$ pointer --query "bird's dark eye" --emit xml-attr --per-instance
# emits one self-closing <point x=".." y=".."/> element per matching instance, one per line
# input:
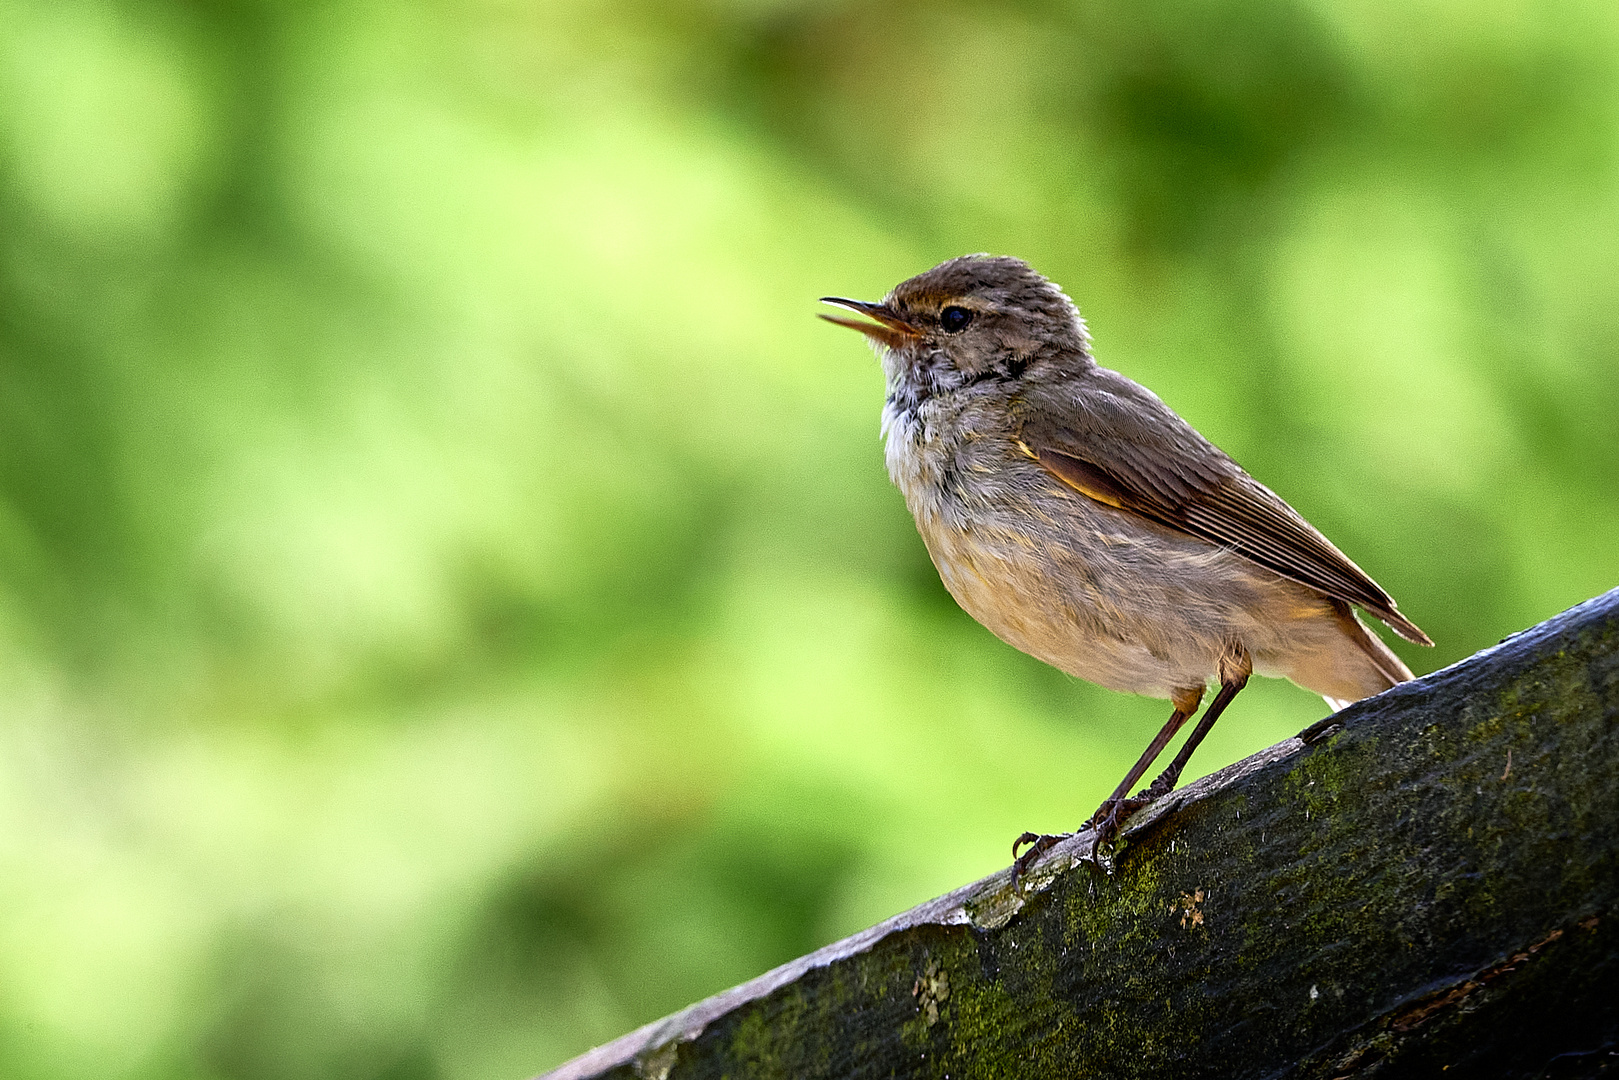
<point x="955" y="319"/>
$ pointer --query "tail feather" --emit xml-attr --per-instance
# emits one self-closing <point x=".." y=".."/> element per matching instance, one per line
<point x="1404" y="627"/>
<point x="1382" y="657"/>
<point x="1383" y="661"/>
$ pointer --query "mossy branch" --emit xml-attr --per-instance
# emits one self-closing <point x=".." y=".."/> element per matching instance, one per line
<point x="1425" y="882"/>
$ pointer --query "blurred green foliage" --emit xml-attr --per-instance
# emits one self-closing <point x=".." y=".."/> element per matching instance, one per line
<point x="452" y="609"/>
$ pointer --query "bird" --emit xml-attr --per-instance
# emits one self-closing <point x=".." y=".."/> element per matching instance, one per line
<point x="1081" y="520"/>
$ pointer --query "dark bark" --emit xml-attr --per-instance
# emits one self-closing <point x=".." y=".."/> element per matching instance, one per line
<point x="1425" y="883"/>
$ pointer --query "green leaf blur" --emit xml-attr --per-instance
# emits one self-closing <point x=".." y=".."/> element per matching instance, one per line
<point x="452" y="608"/>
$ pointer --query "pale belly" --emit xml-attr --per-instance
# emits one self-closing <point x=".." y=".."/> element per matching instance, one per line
<point x="1126" y="607"/>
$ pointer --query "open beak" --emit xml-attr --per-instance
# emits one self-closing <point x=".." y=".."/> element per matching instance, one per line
<point x="889" y="329"/>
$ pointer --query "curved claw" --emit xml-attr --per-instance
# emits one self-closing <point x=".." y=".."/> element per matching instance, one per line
<point x="1039" y="844"/>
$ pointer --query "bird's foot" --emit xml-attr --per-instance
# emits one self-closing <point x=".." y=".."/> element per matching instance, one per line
<point x="1158" y="788"/>
<point x="1039" y="844"/>
<point x="1112" y="814"/>
<point x="1107" y="821"/>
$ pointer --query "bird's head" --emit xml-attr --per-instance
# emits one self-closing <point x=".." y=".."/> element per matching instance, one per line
<point x="971" y="320"/>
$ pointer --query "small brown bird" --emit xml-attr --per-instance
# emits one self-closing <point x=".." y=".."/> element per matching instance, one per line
<point x="1082" y="521"/>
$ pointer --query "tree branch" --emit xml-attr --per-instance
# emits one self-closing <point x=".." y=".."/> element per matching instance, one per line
<point x="1427" y="880"/>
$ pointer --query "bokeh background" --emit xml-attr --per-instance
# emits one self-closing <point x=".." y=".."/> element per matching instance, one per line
<point x="452" y="608"/>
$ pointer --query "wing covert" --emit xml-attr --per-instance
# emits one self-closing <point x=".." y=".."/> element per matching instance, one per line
<point x="1120" y="445"/>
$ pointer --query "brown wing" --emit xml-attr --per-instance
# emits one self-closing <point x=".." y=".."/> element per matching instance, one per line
<point x="1115" y="442"/>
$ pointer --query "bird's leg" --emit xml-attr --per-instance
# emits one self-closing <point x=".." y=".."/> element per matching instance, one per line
<point x="1118" y="806"/>
<point x="1233" y="670"/>
<point x="1235" y="667"/>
